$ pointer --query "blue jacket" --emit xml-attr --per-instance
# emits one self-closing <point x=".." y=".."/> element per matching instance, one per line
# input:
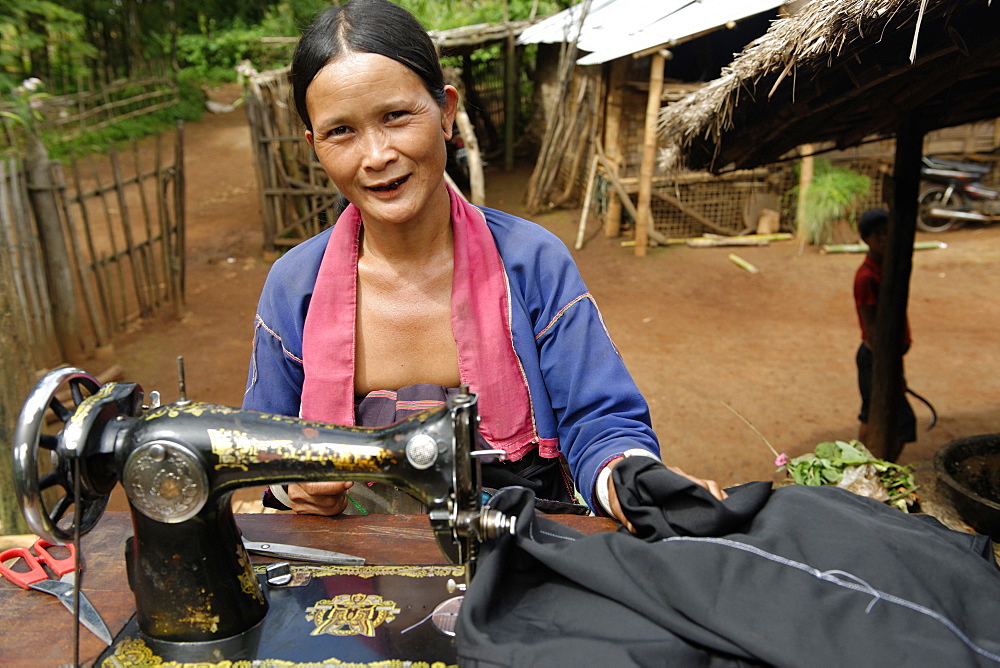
<point x="581" y="393"/>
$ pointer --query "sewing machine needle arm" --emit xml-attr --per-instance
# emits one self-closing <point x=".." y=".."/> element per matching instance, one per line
<point x="302" y="553"/>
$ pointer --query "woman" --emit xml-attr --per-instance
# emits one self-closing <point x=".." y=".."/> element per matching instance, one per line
<point x="414" y="291"/>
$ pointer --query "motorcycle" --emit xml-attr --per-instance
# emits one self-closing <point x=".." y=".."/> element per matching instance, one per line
<point x="953" y="194"/>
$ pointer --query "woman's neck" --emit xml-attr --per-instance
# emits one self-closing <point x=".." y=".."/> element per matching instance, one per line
<point x="415" y="242"/>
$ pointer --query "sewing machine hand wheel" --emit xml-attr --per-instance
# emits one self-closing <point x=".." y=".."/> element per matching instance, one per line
<point x="31" y="483"/>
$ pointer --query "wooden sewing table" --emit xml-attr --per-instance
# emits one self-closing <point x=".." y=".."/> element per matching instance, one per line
<point x="37" y="629"/>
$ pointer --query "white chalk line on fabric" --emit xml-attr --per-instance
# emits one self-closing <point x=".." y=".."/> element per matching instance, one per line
<point x="850" y="582"/>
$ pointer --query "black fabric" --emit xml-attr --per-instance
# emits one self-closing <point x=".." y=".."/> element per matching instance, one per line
<point x="797" y="576"/>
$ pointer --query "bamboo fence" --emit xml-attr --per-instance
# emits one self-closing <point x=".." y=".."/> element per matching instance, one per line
<point x="297" y="198"/>
<point x="19" y="238"/>
<point x="97" y="104"/>
<point x="124" y="227"/>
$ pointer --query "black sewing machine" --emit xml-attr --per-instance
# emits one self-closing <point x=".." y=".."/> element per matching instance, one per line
<point x="179" y="465"/>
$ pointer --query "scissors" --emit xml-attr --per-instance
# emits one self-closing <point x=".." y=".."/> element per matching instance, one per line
<point x="302" y="553"/>
<point x="36" y="577"/>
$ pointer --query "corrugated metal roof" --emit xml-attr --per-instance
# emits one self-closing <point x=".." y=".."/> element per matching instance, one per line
<point x="616" y="28"/>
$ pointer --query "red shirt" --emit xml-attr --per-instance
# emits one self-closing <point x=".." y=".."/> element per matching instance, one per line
<point x="867" y="281"/>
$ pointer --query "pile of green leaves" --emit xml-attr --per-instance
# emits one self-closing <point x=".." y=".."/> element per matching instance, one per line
<point x="828" y="462"/>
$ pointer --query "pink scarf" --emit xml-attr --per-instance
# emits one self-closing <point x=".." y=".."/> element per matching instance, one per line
<point x="480" y="321"/>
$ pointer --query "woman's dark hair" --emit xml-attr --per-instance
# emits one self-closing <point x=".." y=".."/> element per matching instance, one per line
<point x="365" y="26"/>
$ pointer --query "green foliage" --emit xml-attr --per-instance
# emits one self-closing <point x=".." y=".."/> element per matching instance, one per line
<point x="827" y="464"/>
<point x="32" y="33"/>
<point x="833" y="195"/>
<point x="190" y="108"/>
<point x="446" y="14"/>
<point x="215" y="58"/>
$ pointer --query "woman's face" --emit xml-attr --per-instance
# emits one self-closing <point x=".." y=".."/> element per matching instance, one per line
<point x="380" y="135"/>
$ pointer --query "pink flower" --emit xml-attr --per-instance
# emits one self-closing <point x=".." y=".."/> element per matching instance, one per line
<point x="781" y="459"/>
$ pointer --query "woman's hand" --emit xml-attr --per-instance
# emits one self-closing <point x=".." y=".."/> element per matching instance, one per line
<point x="714" y="488"/>
<point x="319" y="498"/>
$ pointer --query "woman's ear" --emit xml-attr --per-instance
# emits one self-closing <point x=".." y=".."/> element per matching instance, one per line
<point x="449" y="110"/>
<point x="309" y="139"/>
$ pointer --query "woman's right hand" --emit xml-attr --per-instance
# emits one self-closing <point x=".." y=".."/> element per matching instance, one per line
<point x="319" y="498"/>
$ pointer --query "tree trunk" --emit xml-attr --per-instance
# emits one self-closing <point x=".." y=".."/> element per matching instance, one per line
<point x="62" y="292"/>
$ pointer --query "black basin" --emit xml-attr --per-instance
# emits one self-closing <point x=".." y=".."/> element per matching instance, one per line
<point x="969" y="469"/>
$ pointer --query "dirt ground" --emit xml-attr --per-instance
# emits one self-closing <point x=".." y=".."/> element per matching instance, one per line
<point x="696" y="331"/>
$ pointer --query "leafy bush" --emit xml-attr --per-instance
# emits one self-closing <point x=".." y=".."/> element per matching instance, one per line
<point x="832" y="196"/>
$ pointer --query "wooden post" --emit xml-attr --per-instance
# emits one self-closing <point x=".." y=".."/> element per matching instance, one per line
<point x="649" y="142"/>
<point x="62" y="292"/>
<point x="179" y="237"/>
<point x="511" y="98"/>
<point x="890" y="319"/>
<point x="805" y="178"/>
<point x="612" y="139"/>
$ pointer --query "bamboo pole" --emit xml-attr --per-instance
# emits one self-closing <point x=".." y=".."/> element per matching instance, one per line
<point x="33" y="267"/>
<point x="125" y="220"/>
<point x="649" y="142"/>
<point x="612" y="140"/>
<point x="179" y="187"/>
<point x="163" y="219"/>
<point x="79" y="264"/>
<point x="16" y="371"/>
<point x="477" y="184"/>
<point x="805" y="179"/>
<point x="625" y="199"/>
<point x="8" y="246"/>
<point x="118" y="315"/>
<point x="591" y="177"/>
<point x="149" y="262"/>
<point x="102" y="288"/>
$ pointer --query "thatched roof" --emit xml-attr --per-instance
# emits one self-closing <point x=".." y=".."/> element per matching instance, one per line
<point x="840" y="71"/>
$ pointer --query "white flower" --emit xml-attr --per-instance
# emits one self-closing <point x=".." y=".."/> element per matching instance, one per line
<point x="31" y="84"/>
<point x="246" y="69"/>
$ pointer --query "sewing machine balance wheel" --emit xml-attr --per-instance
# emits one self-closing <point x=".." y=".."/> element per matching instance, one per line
<point x="44" y="482"/>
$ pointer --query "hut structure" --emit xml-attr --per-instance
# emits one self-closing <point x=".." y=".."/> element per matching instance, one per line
<point x="604" y="69"/>
<point x="836" y="73"/>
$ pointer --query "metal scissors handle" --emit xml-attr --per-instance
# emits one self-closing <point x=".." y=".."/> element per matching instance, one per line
<point x="37" y="578"/>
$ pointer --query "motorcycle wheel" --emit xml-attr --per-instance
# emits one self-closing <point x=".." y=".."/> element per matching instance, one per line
<point x="934" y="197"/>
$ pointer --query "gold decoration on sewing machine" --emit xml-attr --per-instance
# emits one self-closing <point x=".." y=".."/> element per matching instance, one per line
<point x="238" y="449"/>
<point x="373" y="570"/>
<point x="134" y="653"/>
<point x="351" y="614"/>
<point x="196" y="408"/>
